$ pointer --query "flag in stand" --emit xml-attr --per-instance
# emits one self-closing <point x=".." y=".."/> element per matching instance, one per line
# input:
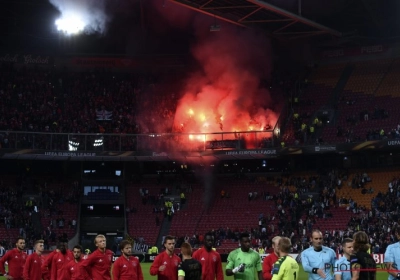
<point x="103" y="115"/>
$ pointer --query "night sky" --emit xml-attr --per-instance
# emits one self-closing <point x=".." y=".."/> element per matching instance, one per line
<point x="159" y="26"/>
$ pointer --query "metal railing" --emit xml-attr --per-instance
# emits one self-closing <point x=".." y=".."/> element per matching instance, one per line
<point x="136" y="142"/>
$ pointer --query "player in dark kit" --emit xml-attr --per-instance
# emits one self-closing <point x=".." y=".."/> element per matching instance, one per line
<point x="363" y="265"/>
<point x="189" y="268"/>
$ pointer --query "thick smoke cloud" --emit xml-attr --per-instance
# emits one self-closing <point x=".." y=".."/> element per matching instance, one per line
<point x="92" y="13"/>
<point x="227" y="93"/>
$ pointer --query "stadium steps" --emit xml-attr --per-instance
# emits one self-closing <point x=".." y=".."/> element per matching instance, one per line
<point x="142" y="223"/>
<point x="184" y="221"/>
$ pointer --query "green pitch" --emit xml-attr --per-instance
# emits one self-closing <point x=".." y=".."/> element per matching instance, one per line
<point x="303" y="275"/>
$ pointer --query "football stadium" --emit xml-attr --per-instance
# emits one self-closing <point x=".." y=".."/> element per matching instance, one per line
<point x="201" y="139"/>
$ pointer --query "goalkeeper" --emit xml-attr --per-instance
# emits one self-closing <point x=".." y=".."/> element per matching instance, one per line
<point x="244" y="262"/>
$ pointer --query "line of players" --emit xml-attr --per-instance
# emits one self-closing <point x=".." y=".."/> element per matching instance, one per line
<point x="204" y="264"/>
<point x="63" y="264"/>
<point x="245" y="264"/>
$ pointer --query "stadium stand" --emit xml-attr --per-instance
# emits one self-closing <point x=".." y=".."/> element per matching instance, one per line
<point x="365" y="107"/>
<point x="30" y="106"/>
<point x="367" y="76"/>
<point x="186" y="220"/>
<point x="141" y="217"/>
<point x="316" y="94"/>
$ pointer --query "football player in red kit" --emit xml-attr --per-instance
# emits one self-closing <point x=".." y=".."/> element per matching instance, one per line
<point x="98" y="264"/>
<point x="127" y="267"/>
<point x="210" y="259"/>
<point x="56" y="265"/>
<point x="33" y="264"/>
<point x="165" y="265"/>
<point x="271" y="259"/>
<point x="16" y="260"/>
<point x="48" y="271"/>
<point x="74" y="267"/>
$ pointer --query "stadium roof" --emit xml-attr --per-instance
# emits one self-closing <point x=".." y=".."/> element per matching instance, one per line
<point x="26" y="24"/>
<point x="249" y="13"/>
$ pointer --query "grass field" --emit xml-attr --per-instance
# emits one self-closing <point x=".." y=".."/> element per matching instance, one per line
<point x="303" y="275"/>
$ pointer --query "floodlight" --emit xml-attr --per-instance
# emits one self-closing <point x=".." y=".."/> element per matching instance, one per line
<point x="70" y="25"/>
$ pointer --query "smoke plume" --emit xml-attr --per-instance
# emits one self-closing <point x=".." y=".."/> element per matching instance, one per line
<point x="227" y="93"/>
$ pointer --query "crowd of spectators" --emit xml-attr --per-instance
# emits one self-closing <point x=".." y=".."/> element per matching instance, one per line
<point x="44" y="100"/>
<point x="296" y="214"/>
<point x="38" y="100"/>
<point x="14" y="214"/>
<point x="24" y="213"/>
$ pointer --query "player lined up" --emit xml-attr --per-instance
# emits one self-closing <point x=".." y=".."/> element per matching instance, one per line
<point x="63" y="264"/>
<point x="205" y="264"/>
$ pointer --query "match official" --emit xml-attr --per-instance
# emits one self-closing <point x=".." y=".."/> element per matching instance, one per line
<point x="286" y="268"/>
<point x="392" y="257"/>
<point x="342" y="265"/>
<point x="318" y="260"/>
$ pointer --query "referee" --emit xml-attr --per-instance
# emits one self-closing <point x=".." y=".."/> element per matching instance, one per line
<point x="318" y="260"/>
